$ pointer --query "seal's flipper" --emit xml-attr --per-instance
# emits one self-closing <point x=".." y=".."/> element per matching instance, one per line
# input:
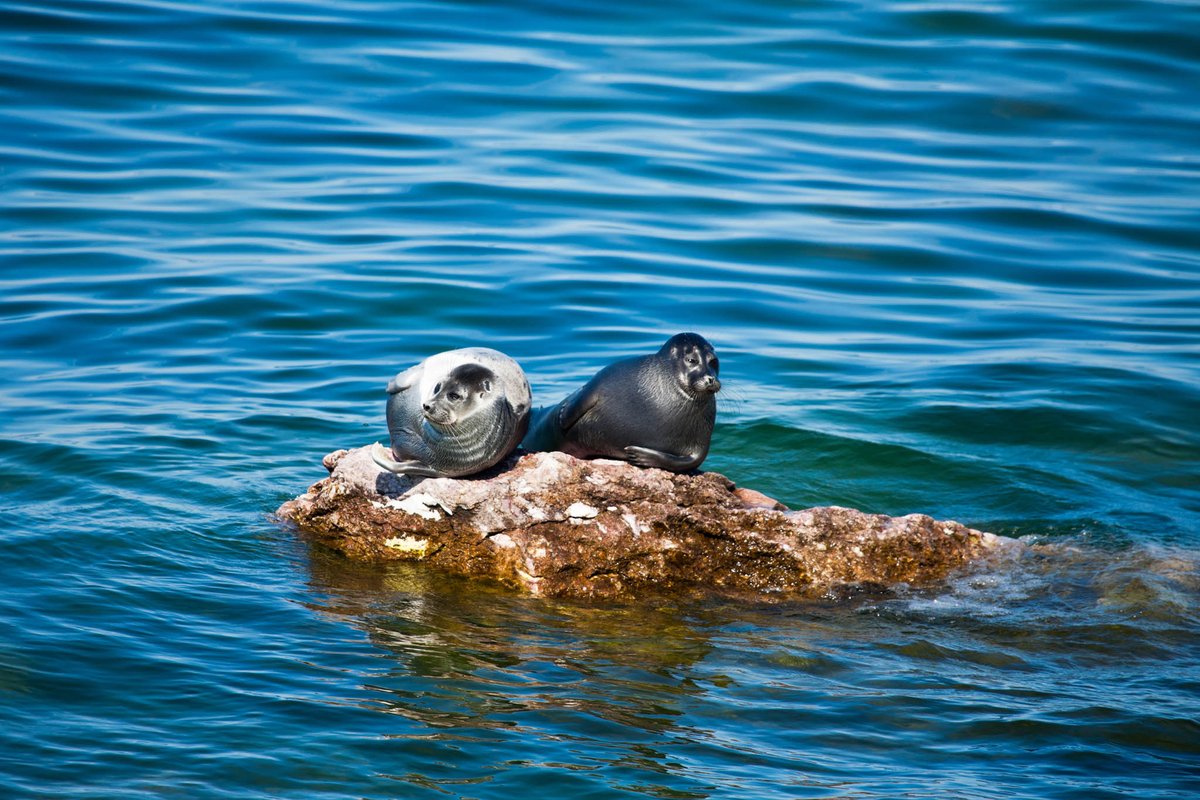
<point x="405" y="380"/>
<point x="575" y="406"/>
<point x="415" y="469"/>
<point x="384" y="459"/>
<point x="381" y="456"/>
<point x="645" y="457"/>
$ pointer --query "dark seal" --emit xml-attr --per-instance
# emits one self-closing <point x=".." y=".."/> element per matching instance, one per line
<point x="653" y="411"/>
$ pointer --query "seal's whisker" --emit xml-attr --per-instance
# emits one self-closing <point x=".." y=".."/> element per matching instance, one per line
<point x="731" y="399"/>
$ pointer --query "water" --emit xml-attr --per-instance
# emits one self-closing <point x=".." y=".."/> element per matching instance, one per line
<point x="949" y="254"/>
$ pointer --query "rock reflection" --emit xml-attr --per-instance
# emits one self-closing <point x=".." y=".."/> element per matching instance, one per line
<point x="499" y="681"/>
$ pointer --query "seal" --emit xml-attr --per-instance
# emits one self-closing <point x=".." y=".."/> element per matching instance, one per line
<point x="456" y="413"/>
<point x="653" y="411"/>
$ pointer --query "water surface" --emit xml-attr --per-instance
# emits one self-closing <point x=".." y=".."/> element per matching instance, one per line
<point x="949" y="254"/>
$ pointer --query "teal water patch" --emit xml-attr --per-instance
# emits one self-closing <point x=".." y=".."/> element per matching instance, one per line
<point x="948" y="255"/>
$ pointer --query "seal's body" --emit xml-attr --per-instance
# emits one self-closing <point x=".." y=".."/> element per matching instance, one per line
<point x="654" y="411"/>
<point x="456" y="413"/>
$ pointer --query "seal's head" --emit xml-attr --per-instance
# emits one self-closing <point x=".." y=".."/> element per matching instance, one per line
<point x="462" y="392"/>
<point x="696" y="364"/>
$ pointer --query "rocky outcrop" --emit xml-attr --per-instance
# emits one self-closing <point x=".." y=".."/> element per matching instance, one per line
<point x="558" y="526"/>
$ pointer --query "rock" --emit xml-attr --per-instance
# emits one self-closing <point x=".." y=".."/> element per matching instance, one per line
<point x="559" y="526"/>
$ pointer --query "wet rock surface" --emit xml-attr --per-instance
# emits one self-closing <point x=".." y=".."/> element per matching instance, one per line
<point x="558" y="526"/>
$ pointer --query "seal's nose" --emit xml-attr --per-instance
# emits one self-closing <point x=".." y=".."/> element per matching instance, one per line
<point x="710" y="384"/>
<point x="427" y="406"/>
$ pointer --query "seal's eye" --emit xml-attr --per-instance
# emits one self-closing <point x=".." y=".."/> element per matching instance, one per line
<point x="712" y="362"/>
<point x="454" y="397"/>
<point x="692" y="361"/>
<point x="437" y="388"/>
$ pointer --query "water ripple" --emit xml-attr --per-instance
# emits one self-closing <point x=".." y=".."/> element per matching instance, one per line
<point x="948" y="253"/>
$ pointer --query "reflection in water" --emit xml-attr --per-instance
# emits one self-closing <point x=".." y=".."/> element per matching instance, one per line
<point x="654" y="699"/>
<point x="478" y="666"/>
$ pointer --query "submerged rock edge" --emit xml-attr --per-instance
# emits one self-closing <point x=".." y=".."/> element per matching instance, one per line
<point x="554" y="525"/>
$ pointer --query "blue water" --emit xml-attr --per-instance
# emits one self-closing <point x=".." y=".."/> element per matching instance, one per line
<point x="948" y="253"/>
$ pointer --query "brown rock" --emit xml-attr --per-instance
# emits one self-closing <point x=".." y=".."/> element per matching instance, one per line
<point x="562" y="527"/>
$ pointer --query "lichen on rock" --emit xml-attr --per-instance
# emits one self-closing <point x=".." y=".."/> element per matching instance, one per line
<point x="558" y="526"/>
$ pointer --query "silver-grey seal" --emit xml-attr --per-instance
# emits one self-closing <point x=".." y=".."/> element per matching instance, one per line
<point x="654" y="411"/>
<point x="456" y="413"/>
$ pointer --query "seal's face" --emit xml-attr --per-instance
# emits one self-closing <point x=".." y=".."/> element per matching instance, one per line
<point x="465" y="390"/>
<point x="697" y="364"/>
